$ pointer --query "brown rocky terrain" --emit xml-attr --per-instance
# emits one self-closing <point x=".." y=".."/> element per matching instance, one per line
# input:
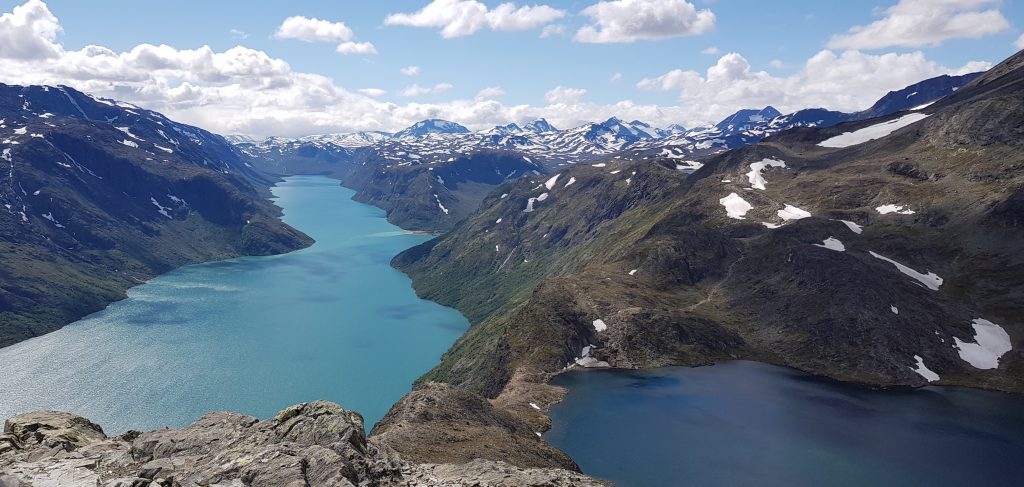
<point x="310" y="444"/>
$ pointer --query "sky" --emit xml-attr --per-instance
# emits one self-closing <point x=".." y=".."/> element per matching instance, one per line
<point x="306" y="67"/>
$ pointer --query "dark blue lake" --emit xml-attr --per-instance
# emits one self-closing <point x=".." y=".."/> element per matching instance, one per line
<point x="751" y="424"/>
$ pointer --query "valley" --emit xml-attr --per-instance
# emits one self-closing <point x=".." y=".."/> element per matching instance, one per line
<point x="821" y="296"/>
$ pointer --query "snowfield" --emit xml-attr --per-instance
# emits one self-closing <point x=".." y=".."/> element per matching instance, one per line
<point x="872" y="132"/>
<point x="930" y="280"/>
<point x="991" y="342"/>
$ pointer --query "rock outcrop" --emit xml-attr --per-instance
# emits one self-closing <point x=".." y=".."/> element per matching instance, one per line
<point x="309" y="444"/>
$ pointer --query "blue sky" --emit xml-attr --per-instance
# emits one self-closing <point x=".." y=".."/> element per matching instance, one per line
<point x="776" y="38"/>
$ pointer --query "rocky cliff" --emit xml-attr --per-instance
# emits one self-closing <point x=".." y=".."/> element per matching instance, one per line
<point x="311" y="444"/>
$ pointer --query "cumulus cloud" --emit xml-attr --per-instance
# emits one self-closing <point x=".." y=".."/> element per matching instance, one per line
<point x="1020" y="42"/>
<point x="634" y="20"/>
<point x="238" y="34"/>
<point x="777" y="63"/>
<point x="564" y="96"/>
<point x="243" y="90"/>
<point x="921" y="23"/>
<point x="848" y="81"/>
<point x="490" y="92"/>
<point x="417" y="90"/>
<point x="374" y="92"/>
<point x="313" y="30"/>
<point x="29" y="32"/>
<point x="410" y="70"/>
<point x="615" y="77"/>
<point x="350" y="47"/>
<point x="458" y="18"/>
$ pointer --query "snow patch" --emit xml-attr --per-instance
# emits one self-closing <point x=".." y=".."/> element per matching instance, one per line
<point x="894" y="309"/>
<point x="930" y="280"/>
<point x="872" y="132"/>
<point x="832" y="243"/>
<point x="791" y="212"/>
<point x="991" y="342"/>
<point x="855" y="228"/>
<point x="599" y="325"/>
<point x="439" y="205"/>
<point x="632" y="272"/>
<point x="755" y="177"/>
<point x="571" y="180"/>
<point x="160" y="208"/>
<point x="735" y="206"/>
<point x="924" y="371"/>
<point x="550" y="183"/>
<point x="898" y="209"/>
<point x="130" y="143"/>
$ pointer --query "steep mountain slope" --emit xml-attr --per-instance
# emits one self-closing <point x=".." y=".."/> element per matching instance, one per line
<point x="98" y="196"/>
<point x="884" y="251"/>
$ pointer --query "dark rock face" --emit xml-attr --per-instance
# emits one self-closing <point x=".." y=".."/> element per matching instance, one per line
<point x="97" y="196"/>
<point x="310" y="444"/>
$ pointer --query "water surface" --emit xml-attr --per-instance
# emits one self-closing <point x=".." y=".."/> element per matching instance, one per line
<point x="254" y="334"/>
<point x="751" y="424"/>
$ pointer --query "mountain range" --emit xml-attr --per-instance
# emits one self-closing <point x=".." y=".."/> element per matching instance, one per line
<point x="882" y="251"/>
<point x="403" y="172"/>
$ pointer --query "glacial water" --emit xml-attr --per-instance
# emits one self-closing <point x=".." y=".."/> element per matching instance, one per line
<point x="751" y="424"/>
<point x="254" y="334"/>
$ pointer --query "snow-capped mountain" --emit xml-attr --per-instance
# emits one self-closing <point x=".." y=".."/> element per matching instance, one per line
<point x="440" y="141"/>
<point x="539" y="126"/>
<point x="432" y="126"/>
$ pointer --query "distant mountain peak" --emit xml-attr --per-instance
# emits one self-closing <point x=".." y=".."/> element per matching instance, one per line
<point x="539" y="126"/>
<point x="432" y="126"/>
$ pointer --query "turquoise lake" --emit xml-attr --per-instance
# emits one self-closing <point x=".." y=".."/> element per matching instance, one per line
<point x="752" y="424"/>
<point x="254" y="334"/>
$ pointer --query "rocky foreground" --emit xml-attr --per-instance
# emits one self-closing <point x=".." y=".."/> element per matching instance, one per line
<point x="309" y="444"/>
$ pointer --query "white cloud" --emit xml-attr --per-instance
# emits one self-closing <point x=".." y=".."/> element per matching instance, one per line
<point x="1020" y="42"/>
<point x="490" y="92"/>
<point x="633" y="20"/>
<point x="410" y="70"/>
<point x="374" y="92"/>
<point x="238" y="34"/>
<point x="416" y="90"/>
<point x="564" y="96"/>
<point x="711" y="51"/>
<point x="243" y="90"/>
<point x="347" y="48"/>
<point x="458" y="18"/>
<point x="921" y="23"/>
<point x="29" y="32"/>
<point x="313" y="30"/>
<point x="615" y="77"/>
<point x="849" y="81"/>
<point x="777" y="63"/>
<point x="552" y="30"/>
